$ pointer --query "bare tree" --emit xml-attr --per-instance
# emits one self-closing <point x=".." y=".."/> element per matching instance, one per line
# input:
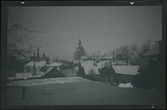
<point x="133" y="53"/>
<point x="21" y="38"/>
<point x="145" y="47"/>
<point x="125" y="52"/>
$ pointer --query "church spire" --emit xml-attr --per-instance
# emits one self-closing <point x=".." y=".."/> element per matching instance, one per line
<point x="79" y="44"/>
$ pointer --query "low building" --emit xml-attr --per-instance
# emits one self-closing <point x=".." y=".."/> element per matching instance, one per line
<point x="55" y="65"/>
<point x="38" y="65"/>
<point x="52" y="73"/>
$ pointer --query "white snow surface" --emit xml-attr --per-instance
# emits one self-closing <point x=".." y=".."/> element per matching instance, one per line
<point x="55" y="64"/>
<point x="36" y="82"/>
<point x="25" y="76"/>
<point x="41" y="63"/>
<point x="89" y="68"/>
<point x="103" y="64"/>
<point x="131" y="70"/>
<point x="48" y="70"/>
<point x="127" y="85"/>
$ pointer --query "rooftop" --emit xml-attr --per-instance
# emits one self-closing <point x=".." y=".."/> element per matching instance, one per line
<point x="40" y="63"/>
<point x="154" y="51"/>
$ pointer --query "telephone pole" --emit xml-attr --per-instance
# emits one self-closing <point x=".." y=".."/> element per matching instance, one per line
<point x="34" y="69"/>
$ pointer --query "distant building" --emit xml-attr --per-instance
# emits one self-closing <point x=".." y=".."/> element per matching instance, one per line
<point x="79" y="52"/>
<point x="55" y="65"/>
<point x="42" y="66"/>
<point x="38" y="65"/>
<point x="39" y="62"/>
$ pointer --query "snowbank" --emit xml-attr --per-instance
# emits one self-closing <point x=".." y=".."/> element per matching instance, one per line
<point x="25" y="76"/>
<point x="127" y="85"/>
<point x="36" y="82"/>
<point x="20" y="75"/>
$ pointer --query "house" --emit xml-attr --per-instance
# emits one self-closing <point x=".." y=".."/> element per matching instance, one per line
<point x="151" y="68"/>
<point x="152" y="61"/>
<point x="55" y="65"/>
<point x="117" y="74"/>
<point x="38" y="65"/>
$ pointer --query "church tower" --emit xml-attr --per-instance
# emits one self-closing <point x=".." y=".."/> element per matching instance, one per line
<point x="79" y="44"/>
<point x="79" y="52"/>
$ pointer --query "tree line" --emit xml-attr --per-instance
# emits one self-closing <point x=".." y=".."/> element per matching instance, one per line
<point x="132" y="54"/>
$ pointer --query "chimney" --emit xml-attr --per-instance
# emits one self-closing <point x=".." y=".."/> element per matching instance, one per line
<point x="47" y="60"/>
<point x="43" y="54"/>
<point x="94" y="60"/>
<point x="34" y="69"/>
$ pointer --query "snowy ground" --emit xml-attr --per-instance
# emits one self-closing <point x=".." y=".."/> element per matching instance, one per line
<point x="25" y="75"/>
<point x="36" y="82"/>
<point x="78" y="91"/>
<point x="127" y="85"/>
<point x="73" y="90"/>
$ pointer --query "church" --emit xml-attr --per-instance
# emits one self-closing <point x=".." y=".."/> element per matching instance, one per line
<point x="79" y="52"/>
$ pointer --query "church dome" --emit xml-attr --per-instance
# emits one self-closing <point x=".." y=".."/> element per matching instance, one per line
<point x="80" y="47"/>
<point x="79" y="52"/>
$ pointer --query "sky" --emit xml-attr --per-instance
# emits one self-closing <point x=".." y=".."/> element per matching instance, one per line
<point x="100" y="28"/>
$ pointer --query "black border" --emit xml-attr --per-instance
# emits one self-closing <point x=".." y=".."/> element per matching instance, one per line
<point x="4" y="12"/>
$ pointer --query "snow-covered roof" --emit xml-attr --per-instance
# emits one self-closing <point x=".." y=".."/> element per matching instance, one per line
<point x="40" y="63"/>
<point x="55" y="64"/>
<point x="89" y="68"/>
<point x="48" y="70"/>
<point x="71" y="60"/>
<point x="154" y="51"/>
<point x="103" y="64"/>
<point x="131" y="70"/>
<point x="87" y="63"/>
<point x="107" y="56"/>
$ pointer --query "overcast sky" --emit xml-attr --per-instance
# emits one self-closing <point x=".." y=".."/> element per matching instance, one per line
<point x="100" y="28"/>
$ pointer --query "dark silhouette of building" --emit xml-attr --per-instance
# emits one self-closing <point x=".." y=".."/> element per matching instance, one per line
<point x="79" y="52"/>
<point x="53" y="73"/>
<point x="151" y="69"/>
